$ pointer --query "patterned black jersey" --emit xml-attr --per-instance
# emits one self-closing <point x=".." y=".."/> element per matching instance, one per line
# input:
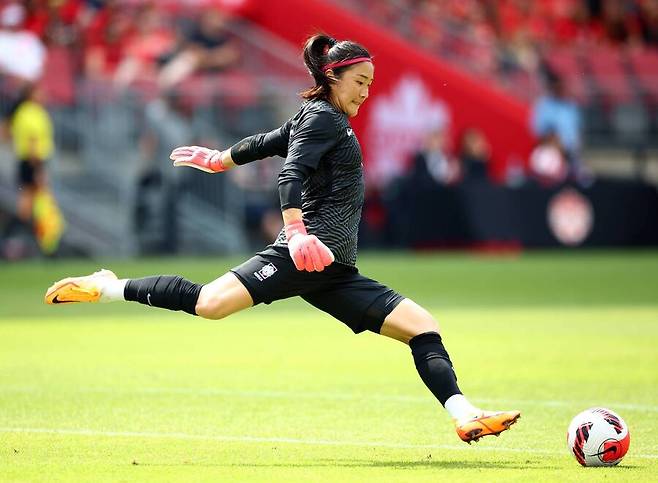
<point x="318" y="142"/>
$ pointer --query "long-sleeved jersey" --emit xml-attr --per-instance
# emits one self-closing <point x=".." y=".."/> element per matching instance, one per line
<point x="323" y="156"/>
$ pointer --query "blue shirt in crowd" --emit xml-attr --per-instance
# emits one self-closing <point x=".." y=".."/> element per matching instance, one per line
<point x="558" y="115"/>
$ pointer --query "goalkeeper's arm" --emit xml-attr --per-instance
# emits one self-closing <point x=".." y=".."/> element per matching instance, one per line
<point x="252" y="148"/>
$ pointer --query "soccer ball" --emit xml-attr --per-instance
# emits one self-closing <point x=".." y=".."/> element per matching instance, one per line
<point x="598" y="437"/>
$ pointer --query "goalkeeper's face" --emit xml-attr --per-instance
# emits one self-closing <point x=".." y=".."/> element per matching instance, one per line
<point x="351" y="89"/>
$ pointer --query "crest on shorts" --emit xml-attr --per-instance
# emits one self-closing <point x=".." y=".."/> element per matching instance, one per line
<point x="266" y="272"/>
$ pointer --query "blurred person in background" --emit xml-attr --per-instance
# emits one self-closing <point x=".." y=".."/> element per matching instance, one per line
<point x="146" y="48"/>
<point x="32" y="134"/>
<point x="620" y="23"/>
<point x="555" y="112"/>
<point x="518" y="28"/>
<point x="22" y="54"/>
<point x="167" y="124"/>
<point x="65" y="20"/>
<point x="475" y="155"/>
<point x="208" y="48"/>
<point x="547" y="163"/>
<point x="435" y="159"/>
<point x="105" y="41"/>
<point x="321" y="191"/>
<point x="648" y="19"/>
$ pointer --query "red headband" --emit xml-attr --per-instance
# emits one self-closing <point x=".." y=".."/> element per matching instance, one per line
<point x="343" y="63"/>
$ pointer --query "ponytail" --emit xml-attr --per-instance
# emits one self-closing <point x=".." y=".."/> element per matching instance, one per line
<point x="321" y="50"/>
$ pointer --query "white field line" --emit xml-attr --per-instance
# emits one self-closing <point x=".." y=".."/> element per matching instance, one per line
<point x="346" y="396"/>
<point x="310" y="442"/>
<point x="390" y="398"/>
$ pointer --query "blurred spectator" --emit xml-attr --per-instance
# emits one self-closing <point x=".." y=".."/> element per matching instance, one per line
<point x="649" y="21"/>
<point x="556" y="113"/>
<point x="167" y="125"/>
<point x="22" y="55"/>
<point x="547" y="161"/>
<point x="208" y="48"/>
<point x="620" y="24"/>
<point x="475" y="155"/>
<point x="146" y="48"/>
<point x="105" y="41"/>
<point x="519" y="28"/>
<point x="31" y="131"/>
<point x="36" y="17"/>
<point x="571" y="21"/>
<point x="65" y="19"/>
<point x="424" y="25"/>
<point x="435" y="161"/>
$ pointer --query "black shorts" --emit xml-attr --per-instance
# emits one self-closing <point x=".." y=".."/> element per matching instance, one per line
<point x="341" y="291"/>
<point x="28" y="173"/>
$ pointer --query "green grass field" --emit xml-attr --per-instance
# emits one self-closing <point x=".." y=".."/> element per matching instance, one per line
<point x="122" y="392"/>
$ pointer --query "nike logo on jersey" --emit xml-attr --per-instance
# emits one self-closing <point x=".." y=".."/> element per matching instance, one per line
<point x="350" y="132"/>
<point x="148" y="299"/>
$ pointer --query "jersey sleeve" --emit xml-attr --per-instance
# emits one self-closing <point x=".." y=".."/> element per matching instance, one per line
<point x="260" y="146"/>
<point x="290" y="185"/>
<point x="313" y="136"/>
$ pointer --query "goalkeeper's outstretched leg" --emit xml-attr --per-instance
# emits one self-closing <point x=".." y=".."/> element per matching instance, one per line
<point x="413" y="325"/>
<point x="215" y="300"/>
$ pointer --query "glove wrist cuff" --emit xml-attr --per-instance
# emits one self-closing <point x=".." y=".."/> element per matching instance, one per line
<point x="295" y="228"/>
<point x="216" y="162"/>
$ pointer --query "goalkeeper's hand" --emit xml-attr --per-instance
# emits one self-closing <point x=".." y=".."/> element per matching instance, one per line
<point x="307" y="251"/>
<point x="205" y="159"/>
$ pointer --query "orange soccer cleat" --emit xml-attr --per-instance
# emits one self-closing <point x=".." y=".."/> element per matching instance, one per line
<point x="78" y="289"/>
<point x="486" y="423"/>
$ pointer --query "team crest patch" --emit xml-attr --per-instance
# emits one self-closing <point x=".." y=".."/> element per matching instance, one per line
<point x="266" y="272"/>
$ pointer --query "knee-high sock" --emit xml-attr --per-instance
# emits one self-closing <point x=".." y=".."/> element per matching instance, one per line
<point x="434" y="366"/>
<point x="165" y="291"/>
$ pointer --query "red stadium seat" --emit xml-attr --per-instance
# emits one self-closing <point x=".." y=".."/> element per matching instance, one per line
<point x="568" y="65"/>
<point x="236" y="88"/>
<point x="58" y="77"/>
<point x="644" y="63"/>
<point x="607" y="68"/>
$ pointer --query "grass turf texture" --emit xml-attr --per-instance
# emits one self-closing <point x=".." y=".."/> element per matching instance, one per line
<point x="122" y="392"/>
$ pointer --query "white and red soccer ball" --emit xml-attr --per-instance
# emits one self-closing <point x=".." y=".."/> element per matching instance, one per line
<point x="598" y="437"/>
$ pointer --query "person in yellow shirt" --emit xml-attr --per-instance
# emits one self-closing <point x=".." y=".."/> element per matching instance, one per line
<point x="32" y="134"/>
<point x="31" y="131"/>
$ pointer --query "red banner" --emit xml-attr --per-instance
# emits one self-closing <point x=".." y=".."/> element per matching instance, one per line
<point x="413" y="90"/>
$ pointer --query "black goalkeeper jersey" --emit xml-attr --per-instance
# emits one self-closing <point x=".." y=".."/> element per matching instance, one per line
<point x="322" y="150"/>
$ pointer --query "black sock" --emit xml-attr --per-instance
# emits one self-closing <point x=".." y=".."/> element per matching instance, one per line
<point x="165" y="291"/>
<point x="434" y="366"/>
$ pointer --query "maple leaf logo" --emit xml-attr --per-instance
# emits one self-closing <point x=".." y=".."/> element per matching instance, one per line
<point x="397" y="125"/>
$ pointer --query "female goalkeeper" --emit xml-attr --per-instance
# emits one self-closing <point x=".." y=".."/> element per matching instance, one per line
<point x="321" y="190"/>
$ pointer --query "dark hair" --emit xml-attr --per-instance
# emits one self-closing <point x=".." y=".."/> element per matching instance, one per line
<point x="320" y="50"/>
